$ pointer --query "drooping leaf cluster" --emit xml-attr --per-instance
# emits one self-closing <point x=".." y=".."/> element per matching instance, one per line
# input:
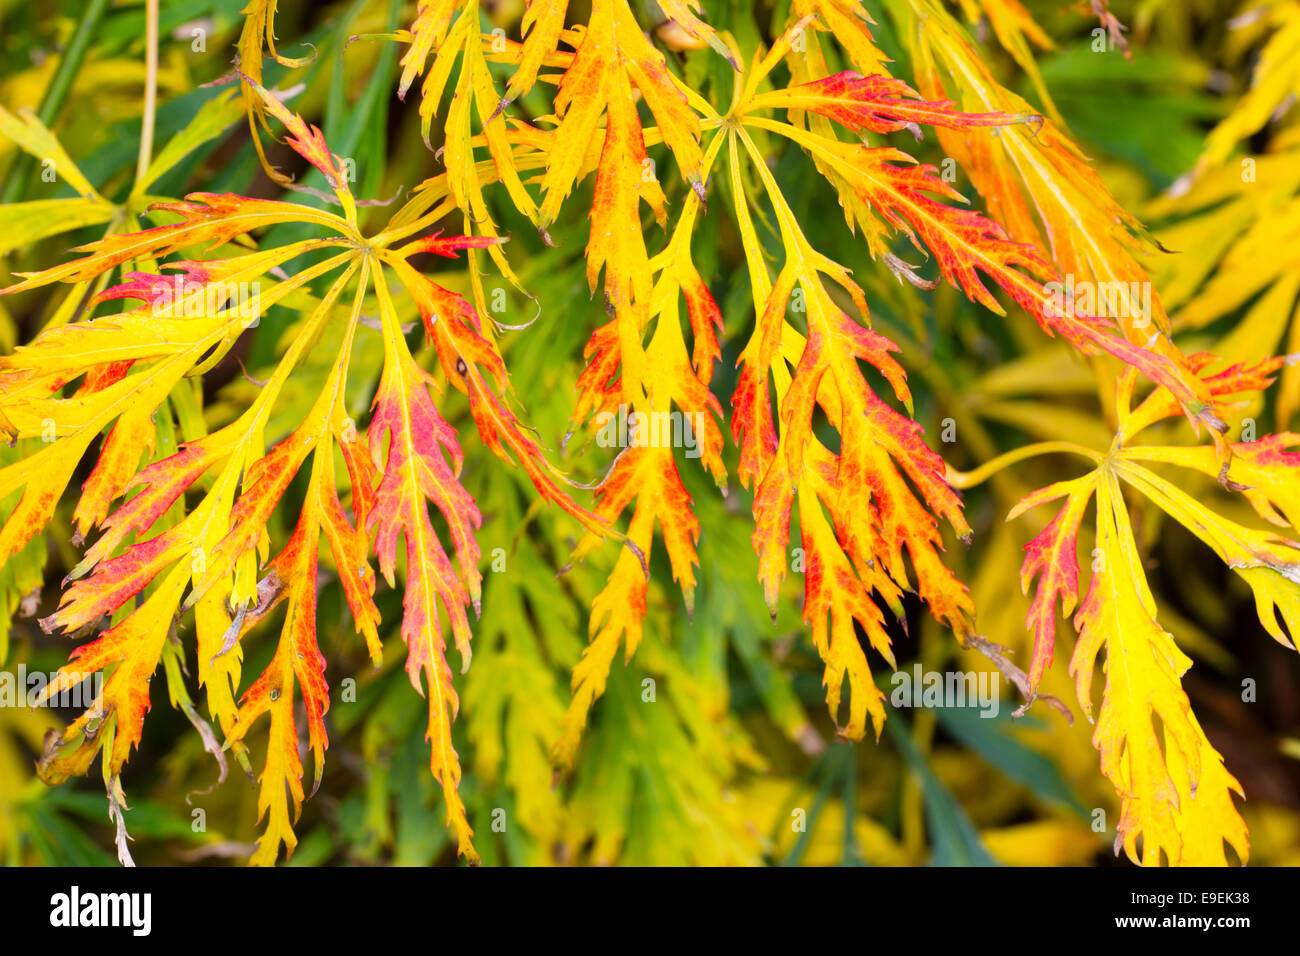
<point x="192" y="538"/>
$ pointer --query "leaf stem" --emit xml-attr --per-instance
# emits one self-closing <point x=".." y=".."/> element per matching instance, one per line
<point x="969" y="479"/>
<point x="150" y="88"/>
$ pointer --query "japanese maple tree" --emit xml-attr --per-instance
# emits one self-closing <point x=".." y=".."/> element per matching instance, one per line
<point x="195" y="543"/>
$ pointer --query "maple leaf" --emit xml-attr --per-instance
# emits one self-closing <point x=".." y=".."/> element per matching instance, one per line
<point x="874" y="511"/>
<point x="670" y="407"/>
<point x="850" y="23"/>
<point x="1175" y="798"/>
<point x="875" y="514"/>
<point x="1039" y="187"/>
<point x="1176" y="795"/>
<point x="882" y="190"/>
<point x="612" y="58"/>
<point x="134" y="360"/>
<point x="297" y="659"/>
<point x="23" y="223"/>
<point x="449" y="29"/>
<point x="867" y="458"/>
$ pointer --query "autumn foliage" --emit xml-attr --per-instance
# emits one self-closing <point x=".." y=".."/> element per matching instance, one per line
<point x="635" y="145"/>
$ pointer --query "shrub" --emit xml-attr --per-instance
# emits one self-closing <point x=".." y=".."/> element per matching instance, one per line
<point x="265" y="401"/>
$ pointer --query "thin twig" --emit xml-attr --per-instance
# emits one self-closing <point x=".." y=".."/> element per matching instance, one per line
<point x="998" y="655"/>
<point x="150" y="88"/>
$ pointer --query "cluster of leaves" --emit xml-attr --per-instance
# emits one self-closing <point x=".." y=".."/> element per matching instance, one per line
<point x="196" y="527"/>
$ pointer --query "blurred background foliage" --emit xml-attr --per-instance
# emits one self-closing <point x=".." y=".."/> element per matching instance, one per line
<point x="736" y="747"/>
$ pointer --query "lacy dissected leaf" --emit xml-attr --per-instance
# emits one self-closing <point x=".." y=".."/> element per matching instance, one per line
<point x="877" y="103"/>
<point x="653" y="794"/>
<point x="614" y="57"/>
<point x="883" y="191"/>
<point x="1038" y="185"/>
<point x="417" y="471"/>
<point x="669" y="406"/>
<point x="1053" y="556"/>
<point x="449" y="29"/>
<point x="113" y="373"/>
<point x="875" y="512"/>
<point x="1175" y="793"/>
<point x="850" y="23"/>
<point x="297" y="659"/>
<point x="541" y="28"/>
<point x="866" y="490"/>
<point x="685" y="13"/>
<point x="199" y="524"/>
<point x="1176" y="796"/>
<point x="1036" y="182"/>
